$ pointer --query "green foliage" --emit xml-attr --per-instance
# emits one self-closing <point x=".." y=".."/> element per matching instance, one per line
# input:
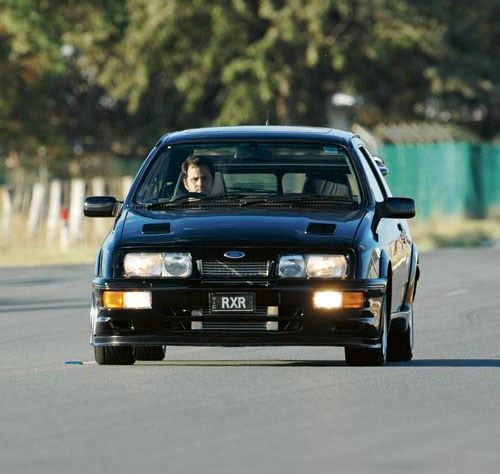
<point x="466" y="81"/>
<point x="118" y="73"/>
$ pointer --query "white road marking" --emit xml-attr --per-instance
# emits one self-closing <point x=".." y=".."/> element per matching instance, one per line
<point x="457" y="292"/>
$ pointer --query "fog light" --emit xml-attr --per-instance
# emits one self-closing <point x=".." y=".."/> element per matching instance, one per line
<point x="127" y="299"/>
<point x="327" y="299"/>
<point x="137" y="299"/>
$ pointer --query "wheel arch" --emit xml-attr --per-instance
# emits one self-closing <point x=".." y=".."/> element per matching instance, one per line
<point x="386" y="272"/>
<point x="413" y="276"/>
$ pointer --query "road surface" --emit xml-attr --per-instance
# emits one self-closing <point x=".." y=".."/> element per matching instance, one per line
<point x="249" y="410"/>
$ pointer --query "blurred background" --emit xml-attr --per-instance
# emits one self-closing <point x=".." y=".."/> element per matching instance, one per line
<point x="88" y="86"/>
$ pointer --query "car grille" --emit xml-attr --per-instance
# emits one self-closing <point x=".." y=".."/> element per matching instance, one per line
<point x="220" y="268"/>
<point x="263" y="319"/>
<point x="235" y="326"/>
<point x="232" y="325"/>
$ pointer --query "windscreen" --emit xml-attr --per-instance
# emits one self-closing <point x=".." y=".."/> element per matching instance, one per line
<point x="249" y="170"/>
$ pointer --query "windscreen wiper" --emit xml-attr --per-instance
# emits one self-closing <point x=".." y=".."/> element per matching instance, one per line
<point x="172" y="202"/>
<point x="243" y="200"/>
<point x="299" y="199"/>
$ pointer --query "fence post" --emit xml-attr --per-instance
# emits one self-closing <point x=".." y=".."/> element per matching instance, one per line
<point x="475" y="201"/>
<point x="55" y="195"/>
<point x="99" y="189"/>
<point x="126" y="183"/>
<point x="76" y="210"/>
<point x="6" y="214"/>
<point x="64" y="237"/>
<point x="36" y="209"/>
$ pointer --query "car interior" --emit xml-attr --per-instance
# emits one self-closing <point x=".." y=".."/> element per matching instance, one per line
<point x="279" y="177"/>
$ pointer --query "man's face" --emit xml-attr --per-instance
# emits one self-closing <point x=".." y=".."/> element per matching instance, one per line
<point x="198" y="179"/>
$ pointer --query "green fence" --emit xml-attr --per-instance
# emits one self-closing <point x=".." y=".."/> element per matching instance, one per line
<point x="446" y="178"/>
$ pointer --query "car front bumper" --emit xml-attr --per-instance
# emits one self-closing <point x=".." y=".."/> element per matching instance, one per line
<point x="284" y="315"/>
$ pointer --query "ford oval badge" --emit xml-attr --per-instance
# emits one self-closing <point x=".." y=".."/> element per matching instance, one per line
<point x="234" y="254"/>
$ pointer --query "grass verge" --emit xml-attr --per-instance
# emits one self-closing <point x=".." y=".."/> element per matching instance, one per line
<point x="456" y="232"/>
<point x="437" y="233"/>
<point x="34" y="254"/>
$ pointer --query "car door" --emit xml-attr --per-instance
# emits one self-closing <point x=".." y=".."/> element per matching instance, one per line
<point x="392" y="232"/>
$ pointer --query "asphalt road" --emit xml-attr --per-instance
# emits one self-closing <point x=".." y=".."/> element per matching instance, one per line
<point x="246" y="410"/>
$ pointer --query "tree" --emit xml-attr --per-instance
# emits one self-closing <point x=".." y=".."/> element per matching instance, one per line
<point x="464" y="82"/>
<point x="231" y="61"/>
<point x="99" y="73"/>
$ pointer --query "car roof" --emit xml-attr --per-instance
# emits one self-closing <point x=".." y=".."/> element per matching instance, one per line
<point x="258" y="132"/>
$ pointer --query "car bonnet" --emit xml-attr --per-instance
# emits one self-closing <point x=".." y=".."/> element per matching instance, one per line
<point x="249" y="227"/>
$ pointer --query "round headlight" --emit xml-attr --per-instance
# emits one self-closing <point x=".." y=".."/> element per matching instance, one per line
<point x="292" y="266"/>
<point x="178" y="264"/>
<point x="326" y="266"/>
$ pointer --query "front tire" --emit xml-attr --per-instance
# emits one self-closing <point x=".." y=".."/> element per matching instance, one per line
<point x="114" y="355"/>
<point x="361" y="356"/>
<point x="400" y="344"/>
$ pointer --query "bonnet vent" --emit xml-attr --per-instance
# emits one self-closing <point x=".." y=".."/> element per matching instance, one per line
<point x="164" y="228"/>
<point x="320" y="229"/>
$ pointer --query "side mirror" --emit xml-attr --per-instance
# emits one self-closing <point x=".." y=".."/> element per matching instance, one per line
<point x="397" y="207"/>
<point x="100" y="206"/>
<point x="381" y="165"/>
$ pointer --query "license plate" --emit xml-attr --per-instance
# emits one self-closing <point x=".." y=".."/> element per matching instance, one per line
<point x="232" y="302"/>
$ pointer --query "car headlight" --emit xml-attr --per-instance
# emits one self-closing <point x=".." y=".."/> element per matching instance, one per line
<point x="166" y="265"/>
<point x="142" y="265"/>
<point x="292" y="266"/>
<point x="326" y="266"/>
<point x="313" y="266"/>
<point x="178" y="265"/>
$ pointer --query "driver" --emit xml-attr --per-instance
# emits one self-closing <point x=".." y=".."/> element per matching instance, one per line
<point x="198" y="175"/>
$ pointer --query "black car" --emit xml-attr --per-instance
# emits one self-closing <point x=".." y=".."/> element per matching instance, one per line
<point x="250" y="236"/>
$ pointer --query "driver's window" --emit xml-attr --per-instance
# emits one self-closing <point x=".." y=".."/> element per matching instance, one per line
<point x="156" y="184"/>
